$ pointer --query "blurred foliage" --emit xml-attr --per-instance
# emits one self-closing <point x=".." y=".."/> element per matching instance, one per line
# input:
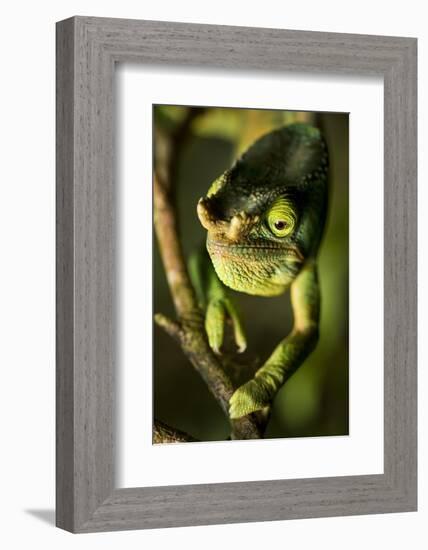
<point x="314" y="402"/>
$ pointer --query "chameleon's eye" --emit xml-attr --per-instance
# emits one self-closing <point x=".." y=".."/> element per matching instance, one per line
<point x="280" y="225"/>
<point x="281" y="218"/>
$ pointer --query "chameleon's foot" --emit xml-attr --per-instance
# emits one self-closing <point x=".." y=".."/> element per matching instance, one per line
<point x="252" y="396"/>
<point x="215" y="319"/>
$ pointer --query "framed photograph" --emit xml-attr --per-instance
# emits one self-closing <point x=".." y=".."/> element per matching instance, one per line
<point x="236" y="274"/>
<point x="259" y="260"/>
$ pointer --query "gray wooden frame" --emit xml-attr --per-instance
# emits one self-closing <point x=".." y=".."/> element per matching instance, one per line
<point x="87" y="50"/>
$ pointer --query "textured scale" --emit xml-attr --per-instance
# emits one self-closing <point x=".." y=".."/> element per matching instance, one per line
<point x="290" y="162"/>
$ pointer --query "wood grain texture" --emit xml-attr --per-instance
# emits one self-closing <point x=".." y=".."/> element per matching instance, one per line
<point x="87" y="49"/>
<point x="64" y="277"/>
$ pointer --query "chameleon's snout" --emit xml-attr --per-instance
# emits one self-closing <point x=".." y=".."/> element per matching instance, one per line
<point x="209" y="220"/>
<point x="205" y="215"/>
<point x="232" y="230"/>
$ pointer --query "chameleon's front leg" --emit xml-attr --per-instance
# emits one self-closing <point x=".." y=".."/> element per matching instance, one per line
<point x="213" y="298"/>
<point x="290" y="353"/>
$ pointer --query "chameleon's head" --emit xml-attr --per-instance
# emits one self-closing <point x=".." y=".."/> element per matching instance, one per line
<point x="265" y="216"/>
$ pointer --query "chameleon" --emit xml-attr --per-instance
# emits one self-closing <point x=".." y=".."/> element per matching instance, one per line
<point x="265" y="218"/>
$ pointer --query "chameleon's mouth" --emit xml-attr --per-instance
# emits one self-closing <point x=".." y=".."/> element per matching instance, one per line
<point x="255" y="251"/>
<point x="259" y="268"/>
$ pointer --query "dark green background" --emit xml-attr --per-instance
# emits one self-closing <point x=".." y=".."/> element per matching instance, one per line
<point x="314" y="402"/>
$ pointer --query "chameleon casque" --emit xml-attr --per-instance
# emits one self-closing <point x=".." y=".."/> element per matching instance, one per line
<point x="264" y="219"/>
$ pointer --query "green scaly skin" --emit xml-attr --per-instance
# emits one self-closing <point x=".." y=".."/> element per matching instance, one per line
<point x="265" y="218"/>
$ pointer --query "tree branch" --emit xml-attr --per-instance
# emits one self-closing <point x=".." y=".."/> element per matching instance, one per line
<point x="162" y="433"/>
<point x="190" y="329"/>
